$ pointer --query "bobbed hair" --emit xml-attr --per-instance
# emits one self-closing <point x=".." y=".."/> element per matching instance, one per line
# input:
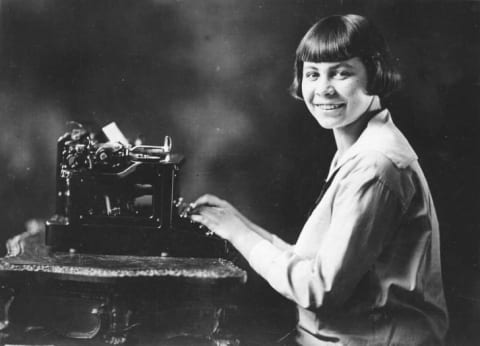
<point x="342" y="37"/>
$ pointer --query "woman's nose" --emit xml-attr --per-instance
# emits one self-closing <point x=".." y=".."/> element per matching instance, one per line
<point x="324" y="87"/>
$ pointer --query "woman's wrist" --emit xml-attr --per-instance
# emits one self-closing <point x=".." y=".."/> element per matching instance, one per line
<point x="244" y="240"/>
<point x="237" y="234"/>
<point x="257" y="229"/>
<point x="263" y="233"/>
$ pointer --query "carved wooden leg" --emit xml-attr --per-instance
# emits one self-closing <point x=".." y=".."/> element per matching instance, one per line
<point x="7" y="295"/>
<point x="220" y="336"/>
<point x="117" y="316"/>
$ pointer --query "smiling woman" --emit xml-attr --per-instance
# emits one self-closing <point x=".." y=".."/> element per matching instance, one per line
<point x="365" y="269"/>
<point x="336" y="93"/>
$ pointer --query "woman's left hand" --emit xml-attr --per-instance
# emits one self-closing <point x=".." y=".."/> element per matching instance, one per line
<point x="219" y="216"/>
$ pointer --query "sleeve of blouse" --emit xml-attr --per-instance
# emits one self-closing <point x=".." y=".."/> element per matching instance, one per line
<point x="281" y="244"/>
<point x="364" y="212"/>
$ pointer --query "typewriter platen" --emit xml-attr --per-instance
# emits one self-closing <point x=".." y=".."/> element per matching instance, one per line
<point x="115" y="198"/>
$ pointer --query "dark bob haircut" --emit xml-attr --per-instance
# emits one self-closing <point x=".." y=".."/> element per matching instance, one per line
<point x="342" y="37"/>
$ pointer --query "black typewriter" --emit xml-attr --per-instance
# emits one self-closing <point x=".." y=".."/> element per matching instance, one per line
<point x="117" y="198"/>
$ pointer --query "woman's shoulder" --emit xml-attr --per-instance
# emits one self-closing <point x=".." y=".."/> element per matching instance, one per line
<point x="374" y="162"/>
<point x="375" y="165"/>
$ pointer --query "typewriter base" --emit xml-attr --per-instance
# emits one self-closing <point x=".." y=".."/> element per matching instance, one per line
<point x="183" y="241"/>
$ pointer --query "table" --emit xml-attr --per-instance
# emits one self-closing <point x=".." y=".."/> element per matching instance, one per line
<point x="70" y="298"/>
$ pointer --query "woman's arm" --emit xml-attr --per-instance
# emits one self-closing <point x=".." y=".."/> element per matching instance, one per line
<point x="227" y="222"/>
<point x="257" y="229"/>
<point x="365" y="212"/>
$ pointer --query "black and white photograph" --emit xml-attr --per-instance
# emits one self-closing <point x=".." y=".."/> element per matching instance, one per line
<point x="239" y="172"/>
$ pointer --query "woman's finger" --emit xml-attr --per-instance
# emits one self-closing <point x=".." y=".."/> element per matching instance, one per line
<point x="204" y="220"/>
<point x="212" y="213"/>
<point x="209" y="200"/>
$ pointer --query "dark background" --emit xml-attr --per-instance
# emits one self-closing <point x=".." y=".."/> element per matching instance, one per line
<point x="214" y="75"/>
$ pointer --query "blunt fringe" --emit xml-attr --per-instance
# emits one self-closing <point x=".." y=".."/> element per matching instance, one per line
<point x="342" y="37"/>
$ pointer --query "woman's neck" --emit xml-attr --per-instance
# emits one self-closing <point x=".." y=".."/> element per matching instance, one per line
<point x="346" y="136"/>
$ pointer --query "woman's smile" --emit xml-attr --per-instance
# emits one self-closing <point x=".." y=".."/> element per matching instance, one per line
<point x="329" y="106"/>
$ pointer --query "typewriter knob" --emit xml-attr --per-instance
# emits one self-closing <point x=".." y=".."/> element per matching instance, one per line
<point x="110" y="154"/>
<point x="167" y="144"/>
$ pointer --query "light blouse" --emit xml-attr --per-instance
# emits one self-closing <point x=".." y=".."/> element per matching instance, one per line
<point x="366" y="268"/>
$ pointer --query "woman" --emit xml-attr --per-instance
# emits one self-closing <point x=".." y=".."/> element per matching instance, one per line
<point x="365" y="269"/>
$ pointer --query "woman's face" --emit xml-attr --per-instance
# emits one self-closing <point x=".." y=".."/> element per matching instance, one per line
<point x="336" y="92"/>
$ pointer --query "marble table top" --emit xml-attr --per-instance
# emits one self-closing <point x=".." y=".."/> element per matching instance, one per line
<point x="28" y="254"/>
<point x="110" y="266"/>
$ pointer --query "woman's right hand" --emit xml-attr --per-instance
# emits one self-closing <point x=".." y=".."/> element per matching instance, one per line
<point x="220" y="217"/>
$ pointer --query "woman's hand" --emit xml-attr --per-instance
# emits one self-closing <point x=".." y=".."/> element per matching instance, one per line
<point x="220" y="217"/>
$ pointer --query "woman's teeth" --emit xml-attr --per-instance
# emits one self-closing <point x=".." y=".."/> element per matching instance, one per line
<point x="329" y="106"/>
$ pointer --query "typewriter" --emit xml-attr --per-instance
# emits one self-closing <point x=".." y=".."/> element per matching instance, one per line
<point x="121" y="199"/>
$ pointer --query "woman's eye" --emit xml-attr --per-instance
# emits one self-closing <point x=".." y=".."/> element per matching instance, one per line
<point x="311" y="75"/>
<point x="341" y="74"/>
